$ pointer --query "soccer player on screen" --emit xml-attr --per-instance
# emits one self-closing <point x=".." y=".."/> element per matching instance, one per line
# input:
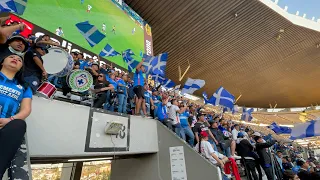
<point x="104" y="28"/>
<point x="114" y="29"/>
<point x="81" y="1"/>
<point x="89" y="8"/>
<point x="59" y="32"/>
<point x="133" y="31"/>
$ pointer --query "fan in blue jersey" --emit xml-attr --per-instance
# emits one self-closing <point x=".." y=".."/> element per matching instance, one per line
<point x="15" y="106"/>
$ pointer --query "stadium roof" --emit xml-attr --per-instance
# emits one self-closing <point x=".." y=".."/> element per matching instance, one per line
<point x="250" y="47"/>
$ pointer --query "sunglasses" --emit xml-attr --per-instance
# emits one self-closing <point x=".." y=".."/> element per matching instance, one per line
<point x="100" y="76"/>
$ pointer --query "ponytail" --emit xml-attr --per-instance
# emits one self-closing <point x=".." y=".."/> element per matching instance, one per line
<point x="200" y="139"/>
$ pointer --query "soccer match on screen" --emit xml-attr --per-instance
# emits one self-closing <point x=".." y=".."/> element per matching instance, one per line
<point x="121" y="30"/>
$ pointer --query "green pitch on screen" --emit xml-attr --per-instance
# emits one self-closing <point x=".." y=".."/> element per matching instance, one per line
<point x="51" y="14"/>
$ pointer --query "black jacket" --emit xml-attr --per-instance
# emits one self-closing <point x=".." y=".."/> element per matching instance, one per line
<point x="244" y="148"/>
<point x="263" y="154"/>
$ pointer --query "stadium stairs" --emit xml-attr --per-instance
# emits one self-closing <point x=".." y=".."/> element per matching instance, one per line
<point x="60" y="131"/>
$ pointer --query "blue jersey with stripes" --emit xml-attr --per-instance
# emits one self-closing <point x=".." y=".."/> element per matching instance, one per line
<point x="147" y="96"/>
<point x="11" y="95"/>
<point x="184" y="119"/>
<point x="138" y="78"/>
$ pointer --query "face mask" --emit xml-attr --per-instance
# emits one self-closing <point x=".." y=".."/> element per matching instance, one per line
<point x="16" y="52"/>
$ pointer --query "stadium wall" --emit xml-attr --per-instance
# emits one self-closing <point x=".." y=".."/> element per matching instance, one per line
<point x="157" y="166"/>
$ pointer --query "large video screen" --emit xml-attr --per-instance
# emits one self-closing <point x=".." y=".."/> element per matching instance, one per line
<point x="124" y="28"/>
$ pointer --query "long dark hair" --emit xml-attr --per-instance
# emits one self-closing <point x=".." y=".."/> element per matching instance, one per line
<point x="200" y="138"/>
<point x="19" y="76"/>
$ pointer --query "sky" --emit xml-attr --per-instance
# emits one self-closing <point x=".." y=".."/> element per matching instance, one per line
<point x="309" y="7"/>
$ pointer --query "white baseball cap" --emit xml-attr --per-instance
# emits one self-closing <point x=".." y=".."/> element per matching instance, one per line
<point x="256" y="134"/>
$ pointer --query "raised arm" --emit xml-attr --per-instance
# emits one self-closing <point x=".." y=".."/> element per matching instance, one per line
<point x="6" y="32"/>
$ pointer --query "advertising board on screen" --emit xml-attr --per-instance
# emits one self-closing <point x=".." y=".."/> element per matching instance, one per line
<point x="124" y="29"/>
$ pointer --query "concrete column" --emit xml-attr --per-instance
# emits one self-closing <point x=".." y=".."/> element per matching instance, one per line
<point x="67" y="169"/>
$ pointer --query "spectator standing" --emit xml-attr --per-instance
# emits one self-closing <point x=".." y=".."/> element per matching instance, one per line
<point x="101" y="87"/>
<point x="235" y="132"/>
<point x="202" y="125"/>
<point x="122" y="94"/>
<point x="34" y="69"/>
<point x="138" y="80"/>
<point x="251" y="160"/>
<point x="173" y="115"/>
<point x="185" y="127"/>
<point x="265" y="158"/>
<point x="279" y="158"/>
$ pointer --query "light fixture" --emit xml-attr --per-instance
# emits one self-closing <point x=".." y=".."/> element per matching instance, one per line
<point x="92" y="159"/>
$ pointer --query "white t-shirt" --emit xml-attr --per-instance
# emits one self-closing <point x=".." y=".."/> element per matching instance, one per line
<point x="59" y="32"/>
<point x="89" y="7"/>
<point x="103" y="26"/>
<point x="207" y="150"/>
<point x="234" y="134"/>
<point x="173" y="114"/>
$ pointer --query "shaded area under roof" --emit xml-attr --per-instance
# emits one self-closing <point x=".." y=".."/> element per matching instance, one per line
<point x="243" y="54"/>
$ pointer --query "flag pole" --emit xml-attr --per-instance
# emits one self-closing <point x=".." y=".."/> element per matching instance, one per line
<point x="238" y="98"/>
<point x="185" y="72"/>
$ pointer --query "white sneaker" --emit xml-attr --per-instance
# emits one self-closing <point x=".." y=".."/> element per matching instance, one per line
<point x="236" y="157"/>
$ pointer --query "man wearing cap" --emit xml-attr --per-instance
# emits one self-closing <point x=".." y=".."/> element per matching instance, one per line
<point x="265" y="159"/>
<point x="6" y="39"/>
<point x="15" y="44"/>
<point x="34" y="69"/>
<point x="202" y="125"/>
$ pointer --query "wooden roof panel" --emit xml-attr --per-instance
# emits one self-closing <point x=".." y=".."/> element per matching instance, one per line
<point x="243" y="53"/>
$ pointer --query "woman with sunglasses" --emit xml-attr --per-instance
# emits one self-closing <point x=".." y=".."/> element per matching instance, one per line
<point x="15" y="107"/>
<point x="101" y="88"/>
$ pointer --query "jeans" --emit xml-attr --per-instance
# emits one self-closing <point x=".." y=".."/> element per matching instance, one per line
<point x="213" y="144"/>
<point x="178" y="129"/>
<point x="122" y="107"/>
<point x="11" y="136"/>
<point x="34" y="82"/>
<point x="187" y="131"/>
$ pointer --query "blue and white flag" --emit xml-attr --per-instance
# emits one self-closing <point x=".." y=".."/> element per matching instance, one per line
<point x="132" y="63"/>
<point x="192" y="85"/>
<point x="108" y="51"/>
<point x="14" y="6"/>
<point x="155" y="64"/>
<point x="90" y="33"/>
<point x="304" y="130"/>
<point x="279" y="129"/>
<point x="157" y="78"/>
<point x="168" y="83"/>
<point x="205" y="98"/>
<point x="129" y="52"/>
<point x="246" y="114"/>
<point x="7" y="6"/>
<point x="223" y="98"/>
<point x="165" y="82"/>
<point x="235" y="109"/>
<point x="20" y="6"/>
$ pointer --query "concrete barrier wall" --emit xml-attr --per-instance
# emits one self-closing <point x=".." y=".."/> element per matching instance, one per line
<point x="158" y="166"/>
<point x="61" y="129"/>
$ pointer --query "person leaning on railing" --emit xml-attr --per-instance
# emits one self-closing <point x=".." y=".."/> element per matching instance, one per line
<point x="15" y="106"/>
<point x="101" y="89"/>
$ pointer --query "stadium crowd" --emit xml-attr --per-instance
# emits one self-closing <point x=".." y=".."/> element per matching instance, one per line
<point x="218" y="139"/>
